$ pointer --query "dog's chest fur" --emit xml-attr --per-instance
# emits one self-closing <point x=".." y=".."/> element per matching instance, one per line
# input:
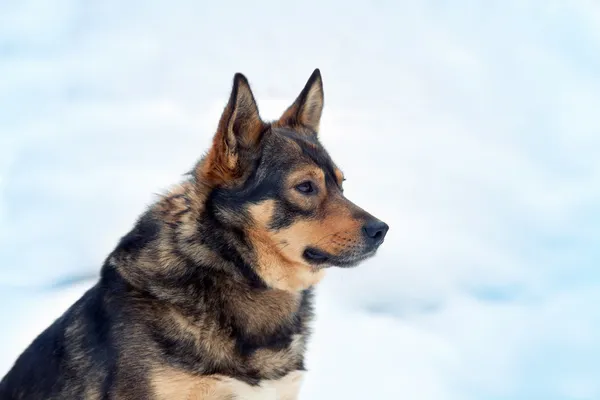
<point x="252" y="335"/>
<point x="254" y="351"/>
<point x="169" y="384"/>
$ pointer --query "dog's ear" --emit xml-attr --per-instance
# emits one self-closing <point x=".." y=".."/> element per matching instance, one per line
<point x="308" y="107"/>
<point x="240" y="129"/>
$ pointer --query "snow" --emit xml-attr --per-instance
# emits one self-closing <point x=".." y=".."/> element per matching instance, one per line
<point x="471" y="128"/>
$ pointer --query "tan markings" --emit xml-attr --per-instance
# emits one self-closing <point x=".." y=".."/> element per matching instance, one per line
<point x="243" y="391"/>
<point x="334" y="234"/>
<point x="280" y="253"/>
<point x="262" y="212"/>
<point x="288" y="387"/>
<point x="307" y="173"/>
<point x="277" y="263"/>
<point x="339" y="176"/>
<point x="277" y="270"/>
<point x="173" y="384"/>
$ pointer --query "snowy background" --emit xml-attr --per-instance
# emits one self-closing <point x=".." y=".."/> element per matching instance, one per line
<point x="471" y="127"/>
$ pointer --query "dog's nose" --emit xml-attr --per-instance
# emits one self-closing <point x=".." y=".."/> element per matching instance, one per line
<point x="375" y="231"/>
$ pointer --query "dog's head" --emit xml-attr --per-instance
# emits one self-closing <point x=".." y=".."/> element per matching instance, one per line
<point x="275" y="184"/>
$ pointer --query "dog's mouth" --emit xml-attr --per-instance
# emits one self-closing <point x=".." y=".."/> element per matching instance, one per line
<point x="316" y="256"/>
<point x="319" y="257"/>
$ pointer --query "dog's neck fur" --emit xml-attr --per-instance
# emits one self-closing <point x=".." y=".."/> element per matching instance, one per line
<point x="180" y="231"/>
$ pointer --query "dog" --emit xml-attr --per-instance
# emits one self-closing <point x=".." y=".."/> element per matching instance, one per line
<point x="210" y="295"/>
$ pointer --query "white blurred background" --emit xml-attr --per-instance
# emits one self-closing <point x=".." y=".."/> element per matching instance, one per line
<point x="471" y="127"/>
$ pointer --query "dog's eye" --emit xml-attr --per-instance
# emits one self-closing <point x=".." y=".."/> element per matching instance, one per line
<point x="306" y="187"/>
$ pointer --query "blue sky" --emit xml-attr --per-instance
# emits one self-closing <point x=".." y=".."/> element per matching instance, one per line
<point x="470" y="127"/>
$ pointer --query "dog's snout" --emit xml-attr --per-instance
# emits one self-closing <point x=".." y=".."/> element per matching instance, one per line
<point x="375" y="231"/>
